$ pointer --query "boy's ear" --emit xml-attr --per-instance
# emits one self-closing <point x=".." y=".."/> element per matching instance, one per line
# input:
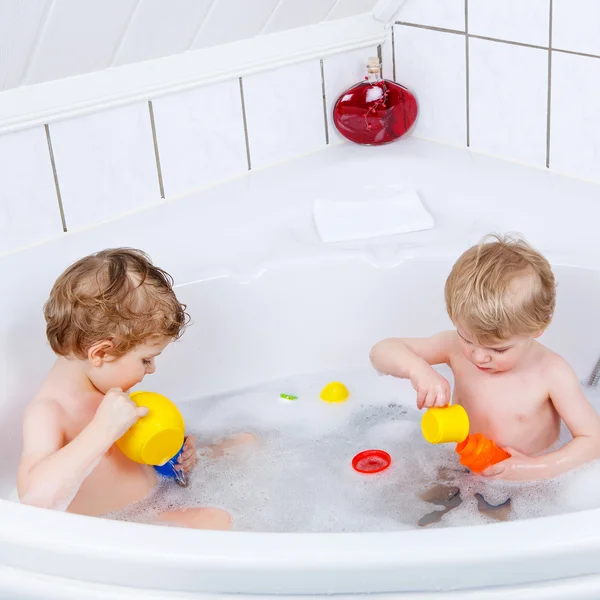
<point x="538" y="334"/>
<point x="98" y="353"/>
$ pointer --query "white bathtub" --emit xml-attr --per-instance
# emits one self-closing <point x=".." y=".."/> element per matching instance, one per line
<point x="268" y="300"/>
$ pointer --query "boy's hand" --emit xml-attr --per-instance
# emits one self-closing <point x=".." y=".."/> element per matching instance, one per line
<point x="189" y="457"/>
<point x="519" y="467"/>
<point x="117" y="413"/>
<point x="432" y="389"/>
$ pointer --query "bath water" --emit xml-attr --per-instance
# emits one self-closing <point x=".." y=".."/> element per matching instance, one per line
<point x="299" y="476"/>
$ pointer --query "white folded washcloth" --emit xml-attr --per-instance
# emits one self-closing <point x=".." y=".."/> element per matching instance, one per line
<point x="344" y="220"/>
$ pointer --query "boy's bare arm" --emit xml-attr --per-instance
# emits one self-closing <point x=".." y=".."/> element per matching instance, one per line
<point x="581" y="419"/>
<point x="51" y="472"/>
<point x="411" y="358"/>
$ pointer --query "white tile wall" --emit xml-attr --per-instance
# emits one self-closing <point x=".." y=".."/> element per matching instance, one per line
<point x="447" y="14"/>
<point x="387" y="55"/>
<point x="350" y="8"/>
<point x="575" y="118"/>
<point x="342" y="71"/>
<point x="576" y="25"/>
<point x="508" y="100"/>
<point x="161" y="28"/>
<point x="19" y="27"/>
<point x="106" y="164"/>
<point x="432" y="65"/>
<point x="290" y="13"/>
<point x="525" y="21"/>
<point x="200" y="137"/>
<point x="220" y="28"/>
<point x="66" y="49"/>
<point x="29" y="210"/>
<point x="284" y="110"/>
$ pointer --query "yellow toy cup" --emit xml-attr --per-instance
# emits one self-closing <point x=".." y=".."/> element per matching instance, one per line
<point x="447" y="424"/>
<point x="157" y="437"/>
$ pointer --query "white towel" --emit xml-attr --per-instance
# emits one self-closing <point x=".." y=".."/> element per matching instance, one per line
<point x="344" y="220"/>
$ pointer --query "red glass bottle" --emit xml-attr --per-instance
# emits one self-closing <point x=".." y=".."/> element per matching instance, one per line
<point x="375" y="111"/>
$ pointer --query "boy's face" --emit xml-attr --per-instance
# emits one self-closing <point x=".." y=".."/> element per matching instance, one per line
<point x="495" y="358"/>
<point x="130" y="368"/>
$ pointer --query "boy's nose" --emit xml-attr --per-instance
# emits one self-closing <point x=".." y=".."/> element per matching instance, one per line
<point x="481" y="357"/>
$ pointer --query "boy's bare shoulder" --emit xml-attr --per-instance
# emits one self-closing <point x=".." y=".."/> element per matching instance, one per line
<point x="553" y="365"/>
<point x="44" y="409"/>
<point x="449" y="339"/>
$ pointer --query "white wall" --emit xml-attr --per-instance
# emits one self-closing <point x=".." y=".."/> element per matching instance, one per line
<point x="43" y="40"/>
<point x="114" y="162"/>
<point x="517" y="79"/>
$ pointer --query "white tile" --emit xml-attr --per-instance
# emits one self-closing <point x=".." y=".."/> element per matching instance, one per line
<point x="341" y="72"/>
<point x="19" y="25"/>
<point x="29" y="210"/>
<point x="350" y="8"/>
<point x="432" y="64"/>
<point x="448" y="14"/>
<point x="508" y="96"/>
<point x="576" y="25"/>
<point x="387" y="55"/>
<point x="284" y="112"/>
<point x="106" y="164"/>
<point x="219" y="27"/>
<point x="291" y="13"/>
<point x="79" y="37"/>
<point x="575" y="119"/>
<point x="161" y="28"/>
<point x="526" y="21"/>
<point x="200" y="137"/>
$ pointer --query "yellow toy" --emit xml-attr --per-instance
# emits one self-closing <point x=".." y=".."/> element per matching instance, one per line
<point x="451" y="424"/>
<point x="447" y="424"/>
<point x="335" y="392"/>
<point x="157" y="437"/>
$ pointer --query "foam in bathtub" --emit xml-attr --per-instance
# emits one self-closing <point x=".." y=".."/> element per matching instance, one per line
<point x="372" y="214"/>
<point x="300" y="477"/>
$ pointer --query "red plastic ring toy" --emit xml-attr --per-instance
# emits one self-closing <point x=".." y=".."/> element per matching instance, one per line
<point x="371" y="461"/>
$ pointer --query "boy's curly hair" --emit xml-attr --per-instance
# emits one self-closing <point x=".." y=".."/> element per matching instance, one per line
<point x="116" y="295"/>
<point x="501" y="288"/>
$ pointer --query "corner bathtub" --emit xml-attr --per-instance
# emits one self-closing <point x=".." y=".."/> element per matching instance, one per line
<point x="269" y="301"/>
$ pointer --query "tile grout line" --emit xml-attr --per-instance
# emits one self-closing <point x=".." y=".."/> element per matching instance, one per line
<point x="246" y="136"/>
<point x="393" y="54"/>
<point x="549" y="104"/>
<point x="431" y="27"/>
<point x="509" y="42"/>
<point x="55" y="175"/>
<point x="467" y="75"/>
<point x="324" y="94"/>
<point x="575" y="53"/>
<point x="492" y="39"/>
<point x="156" y="152"/>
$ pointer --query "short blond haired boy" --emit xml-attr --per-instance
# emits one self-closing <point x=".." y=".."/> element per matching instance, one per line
<point x="108" y="317"/>
<point x="500" y="296"/>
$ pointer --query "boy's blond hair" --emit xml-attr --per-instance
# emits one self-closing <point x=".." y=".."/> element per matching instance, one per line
<point x="500" y="289"/>
<point x="116" y="295"/>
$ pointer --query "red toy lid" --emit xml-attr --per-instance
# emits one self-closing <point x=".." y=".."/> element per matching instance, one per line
<point x="371" y="461"/>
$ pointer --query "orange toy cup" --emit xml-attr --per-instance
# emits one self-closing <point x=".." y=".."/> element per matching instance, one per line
<point x="477" y="453"/>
